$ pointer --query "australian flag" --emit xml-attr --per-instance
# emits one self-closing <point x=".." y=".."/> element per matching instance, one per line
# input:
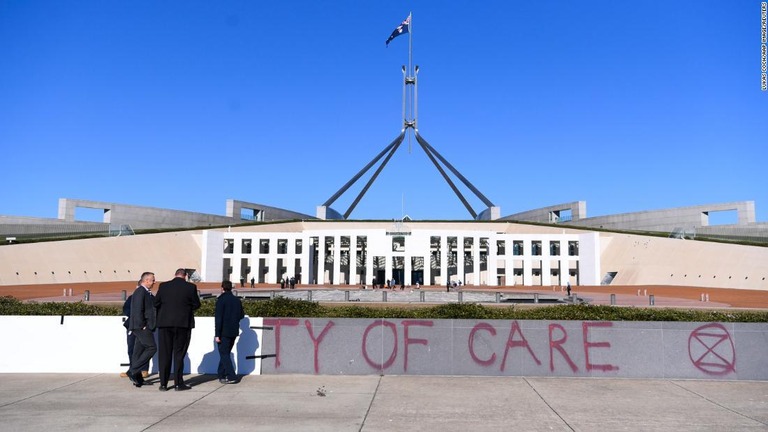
<point x="404" y="27"/>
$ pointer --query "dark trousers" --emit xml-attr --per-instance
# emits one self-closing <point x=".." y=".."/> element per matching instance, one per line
<point x="143" y="350"/>
<point x="226" y="368"/>
<point x="131" y="340"/>
<point x="174" y="342"/>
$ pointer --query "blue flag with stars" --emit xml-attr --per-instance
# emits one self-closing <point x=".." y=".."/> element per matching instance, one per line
<point x="404" y="27"/>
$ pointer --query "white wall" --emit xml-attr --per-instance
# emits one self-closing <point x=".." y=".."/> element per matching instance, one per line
<point x="212" y="261"/>
<point x="97" y="344"/>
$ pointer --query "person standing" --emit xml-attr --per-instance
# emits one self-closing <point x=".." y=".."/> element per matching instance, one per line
<point x="130" y="337"/>
<point x="229" y="312"/>
<point x="143" y="321"/>
<point x="176" y="301"/>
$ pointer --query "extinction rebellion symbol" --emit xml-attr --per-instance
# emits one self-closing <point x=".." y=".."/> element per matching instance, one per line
<point x="711" y="349"/>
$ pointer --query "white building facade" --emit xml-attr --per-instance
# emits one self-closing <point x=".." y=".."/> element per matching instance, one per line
<point x="425" y="254"/>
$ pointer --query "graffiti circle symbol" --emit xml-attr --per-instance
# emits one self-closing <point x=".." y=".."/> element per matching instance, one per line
<point x="711" y="349"/>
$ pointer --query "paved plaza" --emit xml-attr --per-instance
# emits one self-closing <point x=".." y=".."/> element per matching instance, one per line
<point x="98" y="402"/>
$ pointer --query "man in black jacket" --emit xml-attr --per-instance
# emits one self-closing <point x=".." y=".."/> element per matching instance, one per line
<point x="143" y="321"/>
<point x="229" y="312"/>
<point x="176" y="301"/>
<point x="130" y="337"/>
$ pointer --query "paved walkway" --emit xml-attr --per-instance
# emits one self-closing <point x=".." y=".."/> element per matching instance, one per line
<point x="98" y="402"/>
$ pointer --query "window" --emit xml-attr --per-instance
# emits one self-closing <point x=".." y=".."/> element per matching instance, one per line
<point x="554" y="248"/>
<point x="517" y="247"/>
<point x="500" y="247"/>
<point x="536" y="247"/>
<point x="573" y="248"/>
<point x="398" y="244"/>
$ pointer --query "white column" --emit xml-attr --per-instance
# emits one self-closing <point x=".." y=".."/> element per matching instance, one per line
<point x="493" y="279"/>
<point x="306" y="266"/>
<point x="527" y="263"/>
<point x="274" y="274"/>
<point x="255" y="259"/>
<point x="563" y="259"/>
<point x="546" y="276"/>
<point x="444" y="259"/>
<point x="460" y="258"/>
<point x="290" y="268"/>
<point x="407" y="269"/>
<point x="509" y="260"/>
<point x="354" y="279"/>
<point x="236" y="268"/>
<point x="369" y="271"/>
<point x="476" y="261"/>
<point x="320" y="260"/>
<point x="337" y="260"/>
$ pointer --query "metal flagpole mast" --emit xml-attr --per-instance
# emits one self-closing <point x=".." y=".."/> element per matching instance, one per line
<point x="410" y="43"/>
<point x="405" y="98"/>
<point x="416" y="99"/>
<point x="410" y="70"/>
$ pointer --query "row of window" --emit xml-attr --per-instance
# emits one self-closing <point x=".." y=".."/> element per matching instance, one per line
<point x="246" y="247"/>
<point x="286" y="246"/>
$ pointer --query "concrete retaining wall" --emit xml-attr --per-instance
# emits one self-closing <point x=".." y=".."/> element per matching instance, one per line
<point x="52" y="344"/>
<point x="516" y="348"/>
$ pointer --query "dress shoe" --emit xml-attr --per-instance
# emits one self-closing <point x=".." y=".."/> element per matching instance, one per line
<point x="230" y="381"/>
<point x="163" y="387"/>
<point x="222" y="380"/>
<point x="135" y="379"/>
<point x="182" y="387"/>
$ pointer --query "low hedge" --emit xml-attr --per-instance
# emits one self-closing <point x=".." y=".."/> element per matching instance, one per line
<point x="12" y="306"/>
<point x="284" y="307"/>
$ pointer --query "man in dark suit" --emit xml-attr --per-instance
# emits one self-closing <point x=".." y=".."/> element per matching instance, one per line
<point x="130" y="337"/>
<point x="142" y="323"/>
<point x="176" y="301"/>
<point x="229" y="312"/>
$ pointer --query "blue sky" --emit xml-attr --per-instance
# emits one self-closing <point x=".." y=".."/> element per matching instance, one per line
<point x="182" y="104"/>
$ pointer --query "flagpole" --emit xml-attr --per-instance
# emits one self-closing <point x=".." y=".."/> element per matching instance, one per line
<point x="405" y="97"/>
<point x="410" y="43"/>
<point x="410" y="67"/>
